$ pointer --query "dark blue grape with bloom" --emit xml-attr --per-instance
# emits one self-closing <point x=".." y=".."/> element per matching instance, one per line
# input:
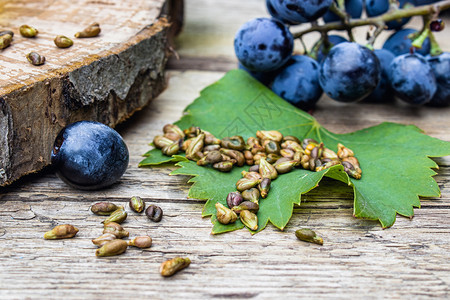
<point x="298" y="83"/>
<point x="383" y="92"/>
<point x="263" y="44"/>
<point x="89" y="155"/>
<point x="399" y="43"/>
<point x="441" y="69"/>
<point x="349" y="73"/>
<point x="412" y="78"/>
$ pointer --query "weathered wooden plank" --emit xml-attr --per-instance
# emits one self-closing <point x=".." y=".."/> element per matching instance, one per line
<point x="106" y="78"/>
<point x="358" y="258"/>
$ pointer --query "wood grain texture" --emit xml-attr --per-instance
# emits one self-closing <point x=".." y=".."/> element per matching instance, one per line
<point x="358" y="258"/>
<point x="410" y="260"/>
<point x="106" y="78"/>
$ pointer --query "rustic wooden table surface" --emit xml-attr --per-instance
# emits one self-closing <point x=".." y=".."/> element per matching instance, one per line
<point x="358" y="259"/>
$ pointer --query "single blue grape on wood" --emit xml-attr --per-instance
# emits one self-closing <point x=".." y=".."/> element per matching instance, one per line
<point x="89" y="155"/>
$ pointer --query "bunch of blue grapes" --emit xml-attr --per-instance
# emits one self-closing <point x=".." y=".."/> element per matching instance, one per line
<point x="344" y="70"/>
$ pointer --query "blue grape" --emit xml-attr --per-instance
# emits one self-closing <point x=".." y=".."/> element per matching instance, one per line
<point x="441" y="69"/>
<point x="298" y="83"/>
<point x="287" y="16"/>
<point x="376" y="7"/>
<point x="263" y="44"/>
<point x="89" y="155"/>
<point x="272" y="11"/>
<point x="412" y="78"/>
<point x="425" y="2"/>
<point x="300" y="11"/>
<point x="349" y="73"/>
<point x="383" y="92"/>
<point x="265" y="78"/>
<point x="399" y="43"/>
<point x="353" y="7"/>
<point x="333" y="40"/>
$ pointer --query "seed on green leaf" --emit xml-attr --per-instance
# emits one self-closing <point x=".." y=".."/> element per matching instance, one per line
<point x="171" y="149"/>
<point x="172" y="128"/>
<point x="161" y="141"/>
<point x="264" y="187"/>
<point x="235" y="142"/>
<point x="211" y="157"/>
<point x="223" y="166"/>
<point x="195" y="147"/>
<point x="272" y="135"/>
<point x="251" y="195"/>
<point x="246" y="205"/>
<point x="233" y="199"/>
<point x="267" y="170"/>
<point x="245" y="184"/>
<point x="249" y="219"/>
<point x="224" y="214"/>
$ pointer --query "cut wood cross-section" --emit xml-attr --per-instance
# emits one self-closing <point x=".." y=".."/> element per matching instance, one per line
<point x="104" y="78"/>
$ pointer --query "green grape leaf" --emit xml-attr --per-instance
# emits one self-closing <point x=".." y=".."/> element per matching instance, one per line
<point x="155" y="157"/>
<point x="395" y="158"/>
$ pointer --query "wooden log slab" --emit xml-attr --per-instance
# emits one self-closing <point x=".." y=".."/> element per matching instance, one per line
<point x="105" y="78"/>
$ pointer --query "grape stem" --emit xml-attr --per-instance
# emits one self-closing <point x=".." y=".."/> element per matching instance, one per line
<point x="391" y="15"/>
<point x="342" y="14"/>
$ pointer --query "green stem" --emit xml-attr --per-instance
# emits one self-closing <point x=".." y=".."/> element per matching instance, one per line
<point x="435" y="50"/>
<point x="389" y="16"/>
<point x="417" y="41"/>
<point x="342" y="14"/>
<point x="338" y="12"/>
<point x="315" y="48"/>
<point x="305" y="49"/>
<point x="341" y="4"/>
